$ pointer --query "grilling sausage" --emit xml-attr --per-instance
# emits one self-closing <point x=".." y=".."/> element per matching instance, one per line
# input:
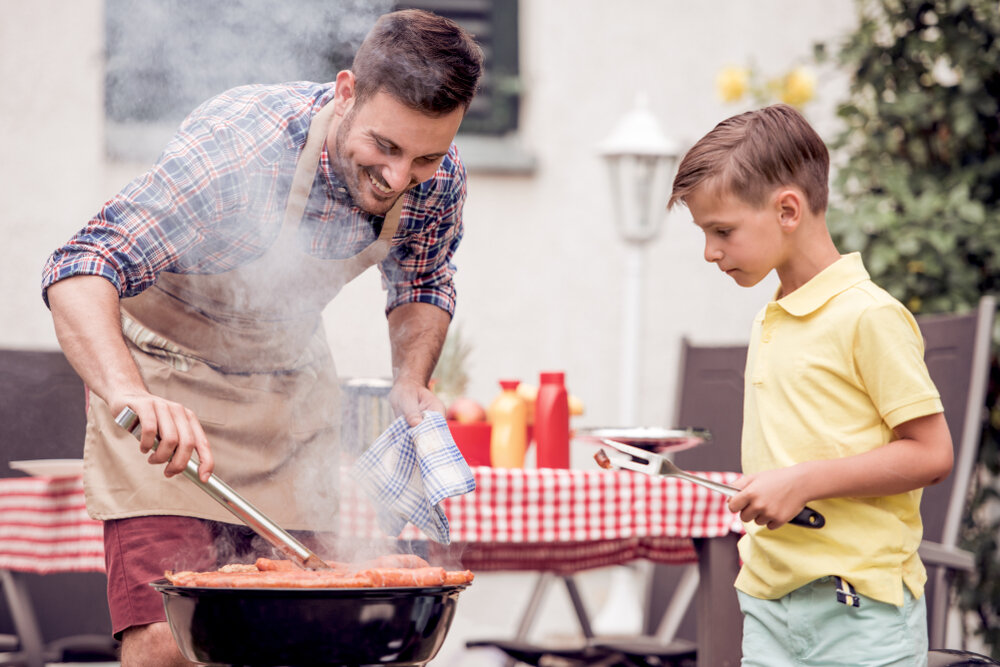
<point x="270" y="579"/>
<point x="398" y="561"/>
<point x="270" y="565"/>
<point x="396" y="577"/>
<point x="409" y="571"/>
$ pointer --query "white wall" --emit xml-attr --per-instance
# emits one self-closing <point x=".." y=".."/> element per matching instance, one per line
<point x="541" y="269"/>
<point x="51" y="147"/>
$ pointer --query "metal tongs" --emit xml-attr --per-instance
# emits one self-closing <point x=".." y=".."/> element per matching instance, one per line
<point x="639" y="460"/>
<point x="235" y="503"/>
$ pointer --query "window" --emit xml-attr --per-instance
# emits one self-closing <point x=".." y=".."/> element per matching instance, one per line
<point x="164" y="58"/>
<point x="494" y="110"/>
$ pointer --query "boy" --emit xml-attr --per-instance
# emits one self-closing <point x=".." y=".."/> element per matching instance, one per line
<point x="839" y="412"/>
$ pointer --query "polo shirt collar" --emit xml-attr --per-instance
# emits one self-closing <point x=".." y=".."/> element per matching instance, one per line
<point x="840" y="276"/>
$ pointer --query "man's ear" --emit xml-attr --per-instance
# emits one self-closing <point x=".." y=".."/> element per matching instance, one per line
<point x="789" y="208"/>
<point x="344" y="97"/>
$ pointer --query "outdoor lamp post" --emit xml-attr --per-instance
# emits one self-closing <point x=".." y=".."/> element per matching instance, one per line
<point x="641" y="161"/>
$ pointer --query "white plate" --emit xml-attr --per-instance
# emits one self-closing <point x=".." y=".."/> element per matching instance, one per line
<point x="649" y="438"/>
<point x="50" y="467"/>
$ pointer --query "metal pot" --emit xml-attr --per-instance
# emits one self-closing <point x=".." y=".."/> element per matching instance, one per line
<point x="348" y="627"/>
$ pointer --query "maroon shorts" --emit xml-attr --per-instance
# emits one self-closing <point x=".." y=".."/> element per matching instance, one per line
<point x="139" y="550"/>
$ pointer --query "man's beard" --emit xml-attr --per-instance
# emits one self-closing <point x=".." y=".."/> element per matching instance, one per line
<point x="351" y="174"/>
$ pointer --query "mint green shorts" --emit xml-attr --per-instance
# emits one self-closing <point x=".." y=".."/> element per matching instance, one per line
<point x="808" y="627"/>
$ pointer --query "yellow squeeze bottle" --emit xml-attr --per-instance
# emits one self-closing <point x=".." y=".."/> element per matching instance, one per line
<point x="509" y="416"/>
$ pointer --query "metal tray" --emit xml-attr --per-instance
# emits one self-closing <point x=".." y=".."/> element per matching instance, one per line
<point x="650" y="438"/>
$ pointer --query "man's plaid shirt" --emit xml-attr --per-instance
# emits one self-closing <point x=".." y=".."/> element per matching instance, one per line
<point x="215" y="199"/>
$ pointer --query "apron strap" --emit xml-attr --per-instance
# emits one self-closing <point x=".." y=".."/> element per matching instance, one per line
<point x="305" y="175"/>
<point x="305" y="169"/>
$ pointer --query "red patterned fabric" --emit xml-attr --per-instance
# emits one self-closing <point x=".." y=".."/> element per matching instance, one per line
<point x="516" y="519"/>
<point x="44" y="527"/>
<point x="568" y="520"/>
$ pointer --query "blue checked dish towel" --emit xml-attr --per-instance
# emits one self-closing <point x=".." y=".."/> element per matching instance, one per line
<point x="408" y="471"/>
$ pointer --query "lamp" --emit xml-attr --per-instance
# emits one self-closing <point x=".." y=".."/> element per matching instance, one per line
<point x="641" y="162"/>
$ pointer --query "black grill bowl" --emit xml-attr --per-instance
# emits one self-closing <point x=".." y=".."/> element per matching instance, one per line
<point x="271" y="627"/>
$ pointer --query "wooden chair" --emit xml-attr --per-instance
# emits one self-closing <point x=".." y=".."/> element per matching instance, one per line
<point x="42" y="416"/>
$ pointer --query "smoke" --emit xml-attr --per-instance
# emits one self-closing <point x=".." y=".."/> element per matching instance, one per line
<point x="166" y="57"/>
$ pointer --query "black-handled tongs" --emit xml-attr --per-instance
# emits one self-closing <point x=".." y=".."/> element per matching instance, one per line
<point x="640" y="460"/>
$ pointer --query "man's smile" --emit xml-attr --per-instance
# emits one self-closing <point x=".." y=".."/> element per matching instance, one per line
<point x="377" y="183"/>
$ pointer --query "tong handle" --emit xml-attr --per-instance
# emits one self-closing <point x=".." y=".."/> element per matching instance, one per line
<point x="809" y="518"/>
<point x="235" y="503"/>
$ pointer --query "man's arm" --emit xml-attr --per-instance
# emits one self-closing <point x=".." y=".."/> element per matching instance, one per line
<point x="921" y="455"/>
<point x="88" y="325"/>
<point x="416" y="333"/>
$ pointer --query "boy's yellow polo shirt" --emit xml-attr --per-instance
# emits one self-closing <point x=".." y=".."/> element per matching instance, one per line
<point x="832" y="368"/>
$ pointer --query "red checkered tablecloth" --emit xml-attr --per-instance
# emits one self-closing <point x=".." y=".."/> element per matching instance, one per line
<point x="44" y="527"/>
<point x="517" y="519"/>
<point x="569" y="520"/>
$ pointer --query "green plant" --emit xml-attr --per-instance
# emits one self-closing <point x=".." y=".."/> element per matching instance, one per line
<point x="451" y="378"/>
<point x="917" y="191"/>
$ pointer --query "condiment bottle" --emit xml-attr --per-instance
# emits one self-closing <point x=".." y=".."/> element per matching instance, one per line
<point x="552" y="422"/>
<point x="508" y="438"/>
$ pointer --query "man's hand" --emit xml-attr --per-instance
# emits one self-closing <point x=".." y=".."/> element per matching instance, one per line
<point x="409" y="399"/>
<point x="416" y="332"/>
<point x="177" y="428"/>
<point x="88" y="326"/>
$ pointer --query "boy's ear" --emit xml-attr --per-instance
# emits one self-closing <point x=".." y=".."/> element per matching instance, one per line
<point x="789" y="205"/>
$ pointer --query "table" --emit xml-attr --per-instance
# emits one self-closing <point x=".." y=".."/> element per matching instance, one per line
<point x="560" y="522"/>
<point x="44" y="528"/>
<point x="553" y="521"/>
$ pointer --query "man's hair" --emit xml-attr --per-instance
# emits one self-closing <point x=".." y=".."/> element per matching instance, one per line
<point x="425" y="61"/>
<point x="751" y="154"/>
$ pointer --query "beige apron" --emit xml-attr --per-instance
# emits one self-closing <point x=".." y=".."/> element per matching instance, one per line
<point x="246" y="350"/>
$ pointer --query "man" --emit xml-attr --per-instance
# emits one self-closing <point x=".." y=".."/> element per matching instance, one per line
<point x="195" y="298"/>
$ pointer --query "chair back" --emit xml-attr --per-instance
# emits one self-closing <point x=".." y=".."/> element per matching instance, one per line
<point x="43" y="416"/>
<point x="957" y="350"/>
<point x="711" y="397"/>
<point x="42" y="413"/>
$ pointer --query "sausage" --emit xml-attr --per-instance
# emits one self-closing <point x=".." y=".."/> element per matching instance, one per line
<point x="409" y="571"/>
<point x="239" y="567"/>
<point x="271" y="565"/>
<point x="603" y="460"/>
<point x="386" y="577"/>
<point x="458" y="577"/>
<point x="271" y="579"/>
<point x="397" y="561"/>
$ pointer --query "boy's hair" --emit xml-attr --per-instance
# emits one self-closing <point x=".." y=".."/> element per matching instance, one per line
<point x="423" y="60"/>
<point x="752" y="153"/>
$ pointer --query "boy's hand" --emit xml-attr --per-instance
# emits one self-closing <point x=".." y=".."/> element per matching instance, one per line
<point x="771" y="498"/>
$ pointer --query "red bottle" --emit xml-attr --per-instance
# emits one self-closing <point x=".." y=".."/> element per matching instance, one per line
<point x="552" y="422"/>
